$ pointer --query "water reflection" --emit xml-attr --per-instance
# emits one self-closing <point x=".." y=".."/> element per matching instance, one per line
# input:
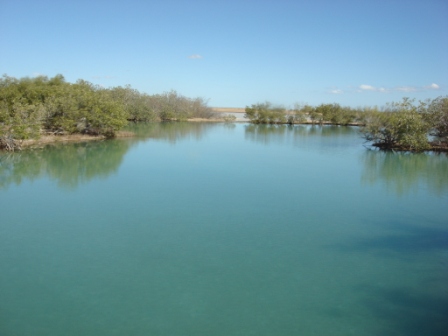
<point x="266" y="130"/>
<point x="401" y="172"/>
<point x="405" y="172"/>
<point x="68" y="164"/>
<point x="267" y="133"/>
<point x="171" y="131"/>
<point x="72" y="164"/>
<point x="301" y="135"/>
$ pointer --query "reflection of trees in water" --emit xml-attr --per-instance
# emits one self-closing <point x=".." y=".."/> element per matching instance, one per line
<point x="68" y="164"/>
<point x="71" y="164"/>
<point x="267" y="133"/>
<point x="171" y="131"/>
<point x="403" y="172"/>
<point x="296" y="133"/>
<point x="16" y="166"/>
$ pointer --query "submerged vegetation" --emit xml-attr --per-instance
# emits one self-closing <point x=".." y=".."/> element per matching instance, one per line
<point x="30" y="107"/>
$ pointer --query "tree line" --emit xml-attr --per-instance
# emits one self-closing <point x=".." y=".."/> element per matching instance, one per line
<point x="30" y="106"/>
<point x="401" y="125"/>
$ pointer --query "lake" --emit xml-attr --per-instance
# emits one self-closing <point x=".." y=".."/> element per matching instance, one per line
<point x="223" y="229"/>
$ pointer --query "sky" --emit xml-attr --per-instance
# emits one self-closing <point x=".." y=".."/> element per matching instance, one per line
<point x="235" y="53"/>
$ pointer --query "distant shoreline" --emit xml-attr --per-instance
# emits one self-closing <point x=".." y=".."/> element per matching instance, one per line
<point x="234" y="110"/>
<point x="229" y="109"/>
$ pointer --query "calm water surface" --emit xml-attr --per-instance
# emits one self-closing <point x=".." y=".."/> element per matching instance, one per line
<point x="222" y="229"/>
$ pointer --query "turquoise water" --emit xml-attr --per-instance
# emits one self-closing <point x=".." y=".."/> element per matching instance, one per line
<point x="223" y="229"/>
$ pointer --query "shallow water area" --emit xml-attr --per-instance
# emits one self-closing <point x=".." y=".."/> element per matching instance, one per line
<point x="223" y="229"/>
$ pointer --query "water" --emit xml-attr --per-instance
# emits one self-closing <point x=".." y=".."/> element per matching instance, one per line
<point x="223" y="229"/>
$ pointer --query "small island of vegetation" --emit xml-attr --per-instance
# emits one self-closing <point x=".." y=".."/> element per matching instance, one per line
<point x="32" y="107"/>
<point x="400" y="126"/>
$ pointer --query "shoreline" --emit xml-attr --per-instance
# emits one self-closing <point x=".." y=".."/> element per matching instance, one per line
<point x="49" y="139"/>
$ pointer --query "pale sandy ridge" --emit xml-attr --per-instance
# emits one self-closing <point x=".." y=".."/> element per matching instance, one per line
<point x="229" y="109"/>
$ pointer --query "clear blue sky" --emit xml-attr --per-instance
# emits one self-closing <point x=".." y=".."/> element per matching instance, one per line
<point x="236" y="52"/>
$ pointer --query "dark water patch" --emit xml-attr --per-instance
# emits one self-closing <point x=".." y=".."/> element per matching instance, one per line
<point x="404" y="312"/>
<point x="407" y="239"/>
<point x="422" y="240"/>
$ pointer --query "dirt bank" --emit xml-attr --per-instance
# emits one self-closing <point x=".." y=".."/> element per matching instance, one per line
<point x="64" y="138"/>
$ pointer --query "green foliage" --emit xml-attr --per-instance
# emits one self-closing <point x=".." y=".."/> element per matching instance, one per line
<point x="400" y="127"/>
<point x="84" y="108"/>
<point x="229" y="118"/>
<point x="173" y="106"/>
<point x="363" y="115"/>
<point x="265" y="113"/>
<point x="315" y="116"/>
<point x="334" y="114"/>
<point x="31" y="105"/>
<point x="138" y="106"/>
<point x="436" y="115"/>
<point x="301" y="112"/>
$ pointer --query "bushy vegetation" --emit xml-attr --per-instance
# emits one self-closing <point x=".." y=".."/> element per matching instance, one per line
<point x="436" y="115"/>
<point x="30" y="106"/>
<point x="265" y="113"/>
<point x="407" y="126"/>
<point x="402" y="126"/>
<point x="398" y="126"/>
